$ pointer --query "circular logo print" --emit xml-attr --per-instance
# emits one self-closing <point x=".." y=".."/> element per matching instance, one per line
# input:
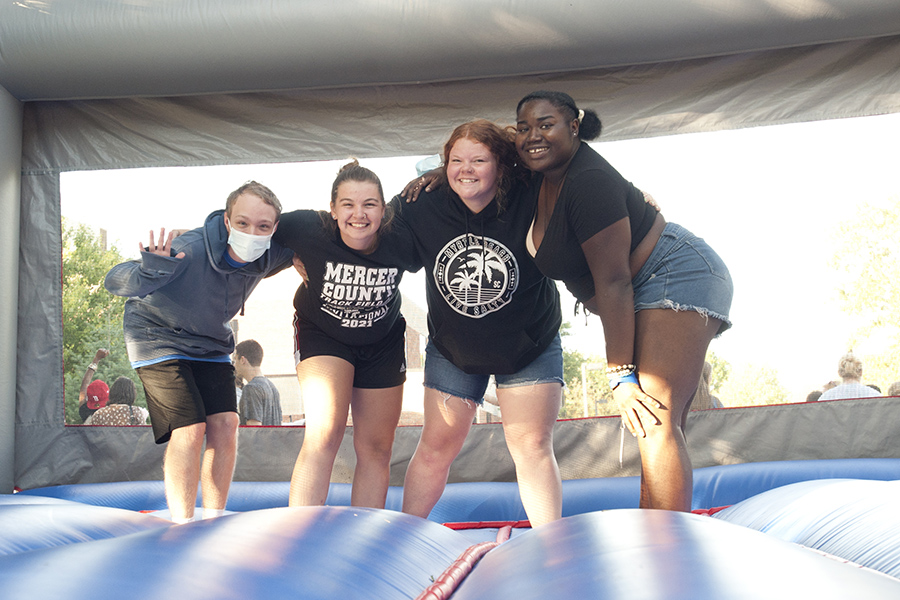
<point x="476" y="276"/>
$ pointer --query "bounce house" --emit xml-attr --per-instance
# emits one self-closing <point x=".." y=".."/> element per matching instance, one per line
<point x="790" y="501"/>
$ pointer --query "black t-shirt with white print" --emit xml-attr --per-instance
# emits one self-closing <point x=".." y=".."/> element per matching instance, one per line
<point x="490" y="310"/>
<point x="352" y="297"/>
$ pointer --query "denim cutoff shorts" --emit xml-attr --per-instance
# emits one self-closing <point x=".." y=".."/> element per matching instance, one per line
<point x="684" y="273"/>
<point x="443" y="376"/>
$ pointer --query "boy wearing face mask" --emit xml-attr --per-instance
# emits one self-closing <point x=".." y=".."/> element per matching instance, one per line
<point x="182" y="293"/>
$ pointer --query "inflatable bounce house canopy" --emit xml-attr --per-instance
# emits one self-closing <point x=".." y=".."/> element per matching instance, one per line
<point x="111" y="84"/>
<point x="100" y="84"/>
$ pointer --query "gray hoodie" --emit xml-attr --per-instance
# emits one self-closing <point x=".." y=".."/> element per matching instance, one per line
<point x="183" y="306"/>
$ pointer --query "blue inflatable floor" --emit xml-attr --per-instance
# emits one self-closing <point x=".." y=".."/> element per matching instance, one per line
<point x="827" y="537"/>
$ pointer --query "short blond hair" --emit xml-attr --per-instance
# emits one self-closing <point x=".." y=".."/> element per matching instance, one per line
<point x="850" y="367"/>
<point x="256" y="189"/>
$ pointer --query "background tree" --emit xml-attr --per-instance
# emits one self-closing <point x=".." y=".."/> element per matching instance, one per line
<point x="752" y="385"/>
<point x="598" y="392"/>
<point x="92" y="317"/>
<point x="721" y="369"/>
<point x="600" y="395"/>
<point x="867" y="260"/>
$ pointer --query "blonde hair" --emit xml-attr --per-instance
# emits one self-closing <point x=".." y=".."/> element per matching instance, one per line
<point x="850" y="367"/>
<point x="256" y="189"/>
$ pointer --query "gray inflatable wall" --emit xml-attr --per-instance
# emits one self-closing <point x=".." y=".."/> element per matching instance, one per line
<point x="154" y="84"/>
<point x="10" y="169"/>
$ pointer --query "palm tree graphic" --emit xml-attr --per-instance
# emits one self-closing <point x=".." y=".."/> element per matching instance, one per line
<point x="484" y="264"/>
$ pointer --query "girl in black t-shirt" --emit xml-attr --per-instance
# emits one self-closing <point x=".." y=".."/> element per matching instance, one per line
<point x="348" y="336"/>
<point x="661" y="292"/>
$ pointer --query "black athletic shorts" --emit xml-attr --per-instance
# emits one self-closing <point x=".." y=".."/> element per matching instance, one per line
<point x="183" y="392"/>
<point x="376" y="366"/>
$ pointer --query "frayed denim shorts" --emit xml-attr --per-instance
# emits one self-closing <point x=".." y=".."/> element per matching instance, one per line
<point x="684" y="273"/>
<point x="443" y="376"/>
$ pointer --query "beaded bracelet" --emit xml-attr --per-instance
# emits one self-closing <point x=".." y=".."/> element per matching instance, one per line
<point x="620" y="370"/>
<point x="629" y="378"/>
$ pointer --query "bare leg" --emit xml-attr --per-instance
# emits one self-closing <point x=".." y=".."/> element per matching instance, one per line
<point x="218" y="458"/>
<point x="447" y="422"/>
<point x="529" y="414"/>
<point x="181" y="470"/>
<point x="376" y="413"/>
<point x="670" y="348"/>
<point x="326" y="383"/>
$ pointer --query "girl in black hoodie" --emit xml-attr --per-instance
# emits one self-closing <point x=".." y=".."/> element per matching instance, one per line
<point x="490" y="311"/>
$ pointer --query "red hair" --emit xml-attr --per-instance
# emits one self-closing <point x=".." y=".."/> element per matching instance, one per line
<point x="499" y="142"/>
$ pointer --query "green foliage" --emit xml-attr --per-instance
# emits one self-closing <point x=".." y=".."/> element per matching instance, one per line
<point x="599" y="396"/>
<point x="572" y="360"/>
<point x="721" y="369"/>
<point x="92" y="317"/>
<point x="867" y="259"/>
<point x="598" y="393"/>
<point x="751" y="385"/>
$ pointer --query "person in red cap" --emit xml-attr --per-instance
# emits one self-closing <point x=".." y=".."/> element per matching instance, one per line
<point x="93" y="394"/>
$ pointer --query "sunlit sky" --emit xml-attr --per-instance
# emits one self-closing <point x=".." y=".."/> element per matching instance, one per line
<point x="768" y="199"/>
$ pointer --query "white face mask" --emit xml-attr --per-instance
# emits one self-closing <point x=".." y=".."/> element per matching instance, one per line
<point x="248" y="247"/>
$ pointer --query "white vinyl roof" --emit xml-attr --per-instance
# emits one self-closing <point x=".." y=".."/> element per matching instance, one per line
<point x="68" y="49"/>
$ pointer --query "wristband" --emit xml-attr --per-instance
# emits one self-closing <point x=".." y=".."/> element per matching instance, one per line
<point x="630" y="378"/>
<point x="92" y="366"/>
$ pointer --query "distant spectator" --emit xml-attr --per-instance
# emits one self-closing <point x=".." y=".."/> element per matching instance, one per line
<point x="874" y="387"/>
<point x="97" y="397"/>
<point x="120" y="411"/>
<point x="89" y="397"/>
<point x="850" y="370"/>
<point x="260" y="401"/>
<point x="703" y="398"/>
<point x="894" y="390"/>
<point x="814" y="396"/>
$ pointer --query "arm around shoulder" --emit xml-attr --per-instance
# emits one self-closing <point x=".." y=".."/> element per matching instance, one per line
<point x="281" y="258"/>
